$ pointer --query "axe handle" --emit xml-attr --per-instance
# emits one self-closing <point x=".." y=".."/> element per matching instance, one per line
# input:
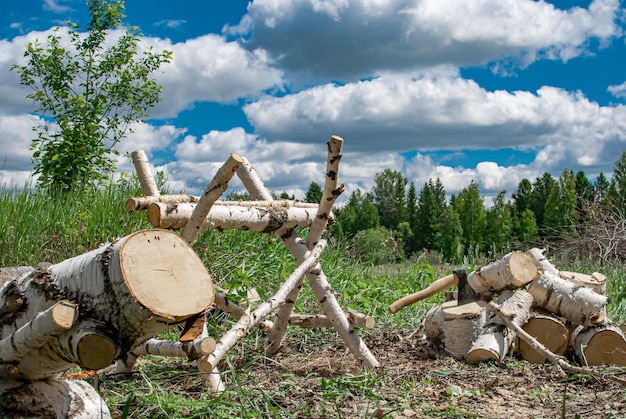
<point x="434" y="288"/>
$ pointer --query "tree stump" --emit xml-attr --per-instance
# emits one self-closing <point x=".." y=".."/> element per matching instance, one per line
<point x="461" y="325"/>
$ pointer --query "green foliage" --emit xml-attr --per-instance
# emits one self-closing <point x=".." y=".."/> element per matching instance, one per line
<point x="471" y="211"/>
<point x="449" y="236"/>
<point x="314" y="193"/>
<point x="92" y="93"/>
<point x="499" y="224"/>
<point x="389" y="196"/>
<point x="358" y="214"/>
<point x="376" y="246"/>
<point x="431" y="207"/>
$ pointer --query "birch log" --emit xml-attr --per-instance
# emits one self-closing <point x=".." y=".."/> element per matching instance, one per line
<point x="548" y="330"/>
<point x="579" y="305"/>
<point x="545" y="264"/>
<point x="329" y="195"/>
<point x="265" y="219"/>
<point x="247" y="321"/>
<point x="316" y="277"/>
<point x="126" y="291"/>
<point x="71" y="399"/>
<point x="191" y="350"/>
<point x="461" y="325"/>
<point x="211" y="193"/>
<point x="433" y="321"/>
<point x="512" y="271"/>
<point x="600" y="345"/>
<point x="495" y="340"/>
<point x="320" y="320"/>
<point x="142" y="167"/>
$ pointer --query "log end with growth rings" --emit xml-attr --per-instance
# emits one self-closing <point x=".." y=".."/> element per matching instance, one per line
<point x="165" y="275"/>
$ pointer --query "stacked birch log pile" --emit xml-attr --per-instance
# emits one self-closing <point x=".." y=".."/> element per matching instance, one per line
<point x="88" y="311"/>
<point x="522" y="305"/>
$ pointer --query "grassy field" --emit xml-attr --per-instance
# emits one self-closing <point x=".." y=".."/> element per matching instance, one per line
<point x="314" y="375"/>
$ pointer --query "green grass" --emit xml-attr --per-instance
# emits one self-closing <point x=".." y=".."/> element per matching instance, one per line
<point x="38" y="227"/>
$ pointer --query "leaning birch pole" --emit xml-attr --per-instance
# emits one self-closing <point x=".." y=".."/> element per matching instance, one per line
<point x="329" y="195"/>
<point x="247" y="321"/>
<point x="316" y="277"/>
<point x="142" y="167"/>
<point x="211" y="193"/>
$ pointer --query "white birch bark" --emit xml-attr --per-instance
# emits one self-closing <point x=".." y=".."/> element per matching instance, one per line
<point x="547" y="329"/>
<point x="600" y="345"/>
<point x="146" y="179"/>
<point x="247" y="321"/>
<point x="127" y="291"/>
<point x="543" y="261"/>
<point x="319" y="320"/>
<point x="495" y="340"/>
<point x="579" y="305"/>
<point x="512" y="271"/>
<point x="265" y="219"/>
<point x="191" y="350"/>
<point x="211" y="193"/>
<point x="461" y="325"/>
<point x="67" y="399"/>
<point x="329" y="195"/>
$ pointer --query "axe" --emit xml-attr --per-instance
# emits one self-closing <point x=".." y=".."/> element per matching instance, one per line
<point x="466" y="293"/>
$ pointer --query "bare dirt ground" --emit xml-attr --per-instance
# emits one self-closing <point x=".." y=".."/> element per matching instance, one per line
<point x="416" y="380"/>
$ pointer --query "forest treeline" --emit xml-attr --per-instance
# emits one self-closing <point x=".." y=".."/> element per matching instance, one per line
<point x="395" y="220"/>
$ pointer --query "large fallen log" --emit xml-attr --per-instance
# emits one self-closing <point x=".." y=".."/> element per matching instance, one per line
<point x="265" y="217"/>
<point x="579" y="305"/>
<point x="89" y="310"/>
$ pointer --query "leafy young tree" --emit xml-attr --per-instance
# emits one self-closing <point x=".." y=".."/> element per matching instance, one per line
<point x="499" y="223"/>
<point x="526" y="229"/>
<point x="92" y="93"/>
<point x="449" y="236"/>
<point x="542" y="188"/>
<point x="389" y="196"/>
<point x="431" y="206"/>
<point x="314" y="194"/>
<point x="470" y="207"/>
<point x="357" y="215"/>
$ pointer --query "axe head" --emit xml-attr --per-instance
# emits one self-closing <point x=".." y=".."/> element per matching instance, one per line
<point x="466" y="293"/>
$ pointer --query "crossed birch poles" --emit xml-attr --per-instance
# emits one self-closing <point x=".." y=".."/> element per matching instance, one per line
<point x="262" y="215"/>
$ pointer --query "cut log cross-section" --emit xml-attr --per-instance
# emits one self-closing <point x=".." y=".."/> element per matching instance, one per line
<point x="126" y="292"/>
<point x="600" y="345"/>
<point x="512" y="271"/>
<point x="548" y="330"/>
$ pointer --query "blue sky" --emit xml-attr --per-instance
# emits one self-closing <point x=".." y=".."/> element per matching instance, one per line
<point x="487" y="90"/>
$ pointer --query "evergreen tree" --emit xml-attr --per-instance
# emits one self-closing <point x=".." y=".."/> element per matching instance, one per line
<point x="431" y="205"/>
<point x="522" y="196"/>
<point x="314" y="194"/>
<point x="560" y="208"/>
<point x="469" y="205"/>
<point x="617" y="189"/>
<point x="499" y="223"/>
<point x="449" y="236"/>
<point x="527" y="230"/>
<point x="389" y="196"/>
<point x="542" y="188"/>
<point x="584" y="197"/>
<point x="410" y="242"/>
<point x="601" y="188"/>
